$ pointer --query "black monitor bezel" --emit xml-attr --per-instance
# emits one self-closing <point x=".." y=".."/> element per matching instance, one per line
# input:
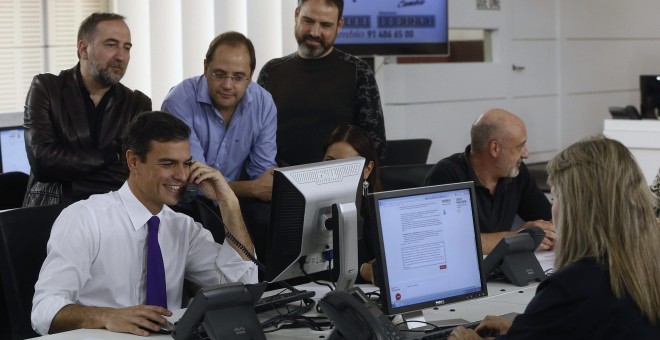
<point x="381" y="261"/>
<point x="649" y="91"/>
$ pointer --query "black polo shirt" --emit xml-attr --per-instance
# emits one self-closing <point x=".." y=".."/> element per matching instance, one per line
<point x="513" y="195"/>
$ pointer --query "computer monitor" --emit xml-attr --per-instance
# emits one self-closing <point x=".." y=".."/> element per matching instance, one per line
<point x="649" y="89"/>
<point x="430" y="247"/>
<point x="308" y="202"/>
<point x="12" y="150"/>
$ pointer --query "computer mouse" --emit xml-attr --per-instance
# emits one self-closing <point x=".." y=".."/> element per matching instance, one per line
<point x="167" y="328"/>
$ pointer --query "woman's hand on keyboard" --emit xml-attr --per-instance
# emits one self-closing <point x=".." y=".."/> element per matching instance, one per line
<point x="492" y="326"/>
<point x="489" y="328"/>
<point x="462" y="333"/>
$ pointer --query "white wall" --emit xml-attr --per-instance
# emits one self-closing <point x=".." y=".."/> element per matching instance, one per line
<point x="440" y="101"/>
<point x="580" y="57"/>
<point x="606" y="45"/>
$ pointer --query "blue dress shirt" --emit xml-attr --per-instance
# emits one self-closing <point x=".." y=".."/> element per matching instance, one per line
<point x="249" y="142"/>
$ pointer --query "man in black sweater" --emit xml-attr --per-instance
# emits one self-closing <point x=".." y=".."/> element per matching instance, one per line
<point x="320" y="87"/>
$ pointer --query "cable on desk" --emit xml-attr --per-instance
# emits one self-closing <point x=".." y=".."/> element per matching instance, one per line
<point x="295" y="319"/>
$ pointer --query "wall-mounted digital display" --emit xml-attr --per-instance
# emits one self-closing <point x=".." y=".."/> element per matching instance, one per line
<point x="394" y="27"/>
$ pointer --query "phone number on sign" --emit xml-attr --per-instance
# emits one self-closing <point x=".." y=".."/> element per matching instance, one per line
<point x="390" y="34"/>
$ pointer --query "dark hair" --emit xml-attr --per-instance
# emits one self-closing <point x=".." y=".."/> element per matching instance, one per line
<point x="336" y="3"/>
<point x="88" y="26"/>
<point x="363" y="145"/>
<point x="151" y="126"/>
<point x="232" y="38"/>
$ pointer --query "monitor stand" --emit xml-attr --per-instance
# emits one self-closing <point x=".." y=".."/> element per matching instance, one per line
<point x="417" y="321"/>
<point x="345" y="237"/>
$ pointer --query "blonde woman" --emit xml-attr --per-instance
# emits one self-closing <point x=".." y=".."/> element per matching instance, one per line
<point x="606" y="285"/>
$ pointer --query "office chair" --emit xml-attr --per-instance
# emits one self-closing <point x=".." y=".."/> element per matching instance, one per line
<point x="12" y="186"/>
<point x="395" y="177"/>
<point x="407" y="151"/>
<point x="204" y="211"/>
<point x="540" y="175"/>
<point x="24" y="233"/>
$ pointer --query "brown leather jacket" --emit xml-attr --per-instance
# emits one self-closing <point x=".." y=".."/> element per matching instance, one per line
<point x="65" y="164"/>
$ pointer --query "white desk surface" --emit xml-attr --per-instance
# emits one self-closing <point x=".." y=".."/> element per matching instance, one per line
<point x="503" y="298"/>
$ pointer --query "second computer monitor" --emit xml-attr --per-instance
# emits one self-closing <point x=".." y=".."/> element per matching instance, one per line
<point x="430" y="247"/>
<point x="12" y="150"/>
<point x="649" y="89"/>
<point x="311" y="202"/>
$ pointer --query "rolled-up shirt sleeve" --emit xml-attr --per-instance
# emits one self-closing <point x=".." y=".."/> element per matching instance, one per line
<point x="207" y="259"/>
<point x="234" y="268"/>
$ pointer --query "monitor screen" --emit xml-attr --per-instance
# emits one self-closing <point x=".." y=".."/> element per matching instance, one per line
<point x="394" y="27"/>
<point x="308" y="200"/>
<point x="430" y="247"/>
<point x="12" y="150"/>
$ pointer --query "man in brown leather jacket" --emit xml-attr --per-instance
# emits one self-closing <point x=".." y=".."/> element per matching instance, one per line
<point x="73" y="121"/>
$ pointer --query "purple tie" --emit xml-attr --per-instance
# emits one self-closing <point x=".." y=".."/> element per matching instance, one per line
<point x="156" y="292"/>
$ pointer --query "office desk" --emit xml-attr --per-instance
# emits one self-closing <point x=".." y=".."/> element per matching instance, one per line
<point x="502" y="298"/>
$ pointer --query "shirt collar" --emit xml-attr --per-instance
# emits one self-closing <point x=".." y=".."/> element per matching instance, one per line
<point x="137" y="212"/>
<point x="471" y="173"/>
<point x="502" y="181"/>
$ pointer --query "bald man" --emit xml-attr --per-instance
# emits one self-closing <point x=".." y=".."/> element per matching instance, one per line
<point x="504" y="187"/>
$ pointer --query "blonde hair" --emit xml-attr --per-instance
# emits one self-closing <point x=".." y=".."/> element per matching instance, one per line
<point x="606" y="213"/>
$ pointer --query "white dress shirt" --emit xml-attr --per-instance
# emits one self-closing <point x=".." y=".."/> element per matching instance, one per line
<point x="97" y="257"/>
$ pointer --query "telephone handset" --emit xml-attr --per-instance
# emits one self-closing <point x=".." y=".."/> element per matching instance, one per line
<point x="355" y="316"/>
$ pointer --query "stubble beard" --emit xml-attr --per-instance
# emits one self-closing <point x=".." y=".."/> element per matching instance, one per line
<point x="103" y="76"/>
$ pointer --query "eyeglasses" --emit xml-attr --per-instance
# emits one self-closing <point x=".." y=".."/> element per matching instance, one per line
<point x="221" y="76"/>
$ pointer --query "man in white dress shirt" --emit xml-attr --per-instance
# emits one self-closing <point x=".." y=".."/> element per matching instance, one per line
<point x="94" y="273"/>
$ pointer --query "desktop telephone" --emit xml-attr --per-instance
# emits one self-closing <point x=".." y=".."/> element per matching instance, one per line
<point x="514" y="257"/>
<point x="628" y="112"/>
<point x="355" y="316"/>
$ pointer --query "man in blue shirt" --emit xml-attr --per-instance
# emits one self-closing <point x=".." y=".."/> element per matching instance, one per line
<point x="233" y="120"/>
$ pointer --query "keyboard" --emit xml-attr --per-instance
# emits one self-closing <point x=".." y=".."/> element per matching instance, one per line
<point x="278" y="300"/>
<point x="441" y="334"/>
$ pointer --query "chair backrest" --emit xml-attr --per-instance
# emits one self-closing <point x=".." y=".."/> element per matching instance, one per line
<point x="12" y="189"/>
<point x="24" y="233"/>
<point x="203" y="211"/>
<point x="407" y="151"/>
<point x="395" y="177"/>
